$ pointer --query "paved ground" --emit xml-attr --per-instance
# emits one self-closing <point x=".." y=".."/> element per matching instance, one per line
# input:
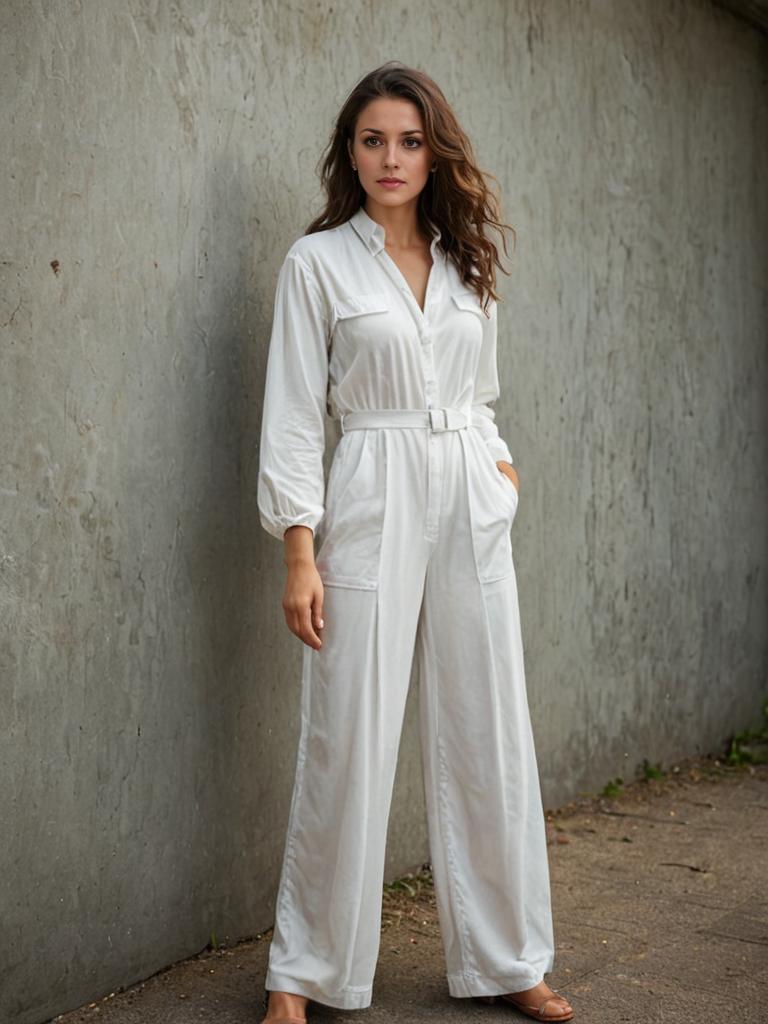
<point x="660" y="897"/>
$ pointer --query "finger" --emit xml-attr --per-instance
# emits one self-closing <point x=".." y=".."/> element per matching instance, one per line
<point x="292" y="620"/>
<point x="308" y="635"/>
<point x="317" y="609"/>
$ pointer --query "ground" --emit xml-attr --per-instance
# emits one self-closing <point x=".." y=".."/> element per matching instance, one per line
<point x="660" y="900"/>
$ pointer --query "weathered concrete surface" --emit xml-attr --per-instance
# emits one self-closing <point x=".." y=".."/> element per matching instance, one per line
<point x="753" y="11"/>
<point x="660" y="910"/>
<point x="157" y="160"/>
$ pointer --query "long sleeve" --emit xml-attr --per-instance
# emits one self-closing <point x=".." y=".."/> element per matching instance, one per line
<point x="291" y="481"/>
<point x="487" y="389"/>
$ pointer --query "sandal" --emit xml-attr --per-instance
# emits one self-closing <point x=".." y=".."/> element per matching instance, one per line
<point x="279" y="1020"/>
<point x="284" y="1020"/>
<point x="534" y="1010"/>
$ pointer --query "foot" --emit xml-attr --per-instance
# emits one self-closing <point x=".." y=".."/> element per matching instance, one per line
<point x="539" y="1002"/>
<point x="286" y="1008"/>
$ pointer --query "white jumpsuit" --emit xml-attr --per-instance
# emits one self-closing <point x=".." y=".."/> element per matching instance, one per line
<point x="413" y="546"/>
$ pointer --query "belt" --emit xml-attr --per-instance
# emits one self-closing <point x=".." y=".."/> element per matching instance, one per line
<point x="436" y="420"/>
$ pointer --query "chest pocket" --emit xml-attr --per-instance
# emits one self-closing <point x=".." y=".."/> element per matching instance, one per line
<point x="360" y="305"/>
<point x="468" y="301"/>
<point x="470" y="318"/>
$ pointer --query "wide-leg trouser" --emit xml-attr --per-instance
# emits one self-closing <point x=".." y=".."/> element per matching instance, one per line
<point x="439" y="583"/>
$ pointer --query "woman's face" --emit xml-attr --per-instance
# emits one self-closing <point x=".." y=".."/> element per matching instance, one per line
<point x="390" y="143"/>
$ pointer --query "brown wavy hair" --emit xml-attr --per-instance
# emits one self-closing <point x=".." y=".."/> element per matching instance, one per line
<point x="456" y="198"/>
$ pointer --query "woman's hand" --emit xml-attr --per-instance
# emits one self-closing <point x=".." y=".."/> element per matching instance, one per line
<point x="303" y="595"/>
<point x="509" y="470"/>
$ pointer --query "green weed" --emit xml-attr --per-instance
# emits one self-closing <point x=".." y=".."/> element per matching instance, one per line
<point x="613" y="787"/>
<point x="651" y="771"/>
<point x="751" y="745"/>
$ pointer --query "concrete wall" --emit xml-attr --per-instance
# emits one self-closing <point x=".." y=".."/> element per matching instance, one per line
<point x="157" y="161"/>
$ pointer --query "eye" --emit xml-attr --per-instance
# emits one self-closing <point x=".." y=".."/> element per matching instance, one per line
<point x="374" y="138"/>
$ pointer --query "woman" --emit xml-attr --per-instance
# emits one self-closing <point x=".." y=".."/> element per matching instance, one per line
<point x="385" y="318"/>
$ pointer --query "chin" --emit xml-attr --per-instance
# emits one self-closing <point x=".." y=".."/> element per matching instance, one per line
<point x="397" y="198"/>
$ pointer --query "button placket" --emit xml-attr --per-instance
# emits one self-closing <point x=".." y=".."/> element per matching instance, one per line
<point x="429" y="376"/>
<point x="434" y="452"/>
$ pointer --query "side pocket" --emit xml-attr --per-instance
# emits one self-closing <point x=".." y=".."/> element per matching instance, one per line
<point x="508" y="489"/>
<point x="508" y="486"/>
<point x="350" y="541"/>
<point x="492" y="510"/>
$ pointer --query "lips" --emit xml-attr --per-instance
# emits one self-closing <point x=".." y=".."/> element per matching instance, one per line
<point x="391" y="181"/>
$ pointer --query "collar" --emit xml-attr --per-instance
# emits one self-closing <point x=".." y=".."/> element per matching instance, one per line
<point x="372" y="233"/>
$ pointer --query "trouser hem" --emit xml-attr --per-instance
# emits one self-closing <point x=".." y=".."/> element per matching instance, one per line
<point x="345" y="999"/>
<point x="463" y="984"/>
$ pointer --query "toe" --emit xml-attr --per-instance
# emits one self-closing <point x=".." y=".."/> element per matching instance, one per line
<point x="554" y="1007"/>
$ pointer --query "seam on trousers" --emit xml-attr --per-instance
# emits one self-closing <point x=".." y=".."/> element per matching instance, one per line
<point x="383" y="531"/>
<point x="485" y="590"/>
<point x="379" y="659"/>
<point x="470" y="508"/>
<point x="298" y="787"/>
<point x="495" y="686"/>
<point x="464" y="943"/>
<point x="494" y="681"/>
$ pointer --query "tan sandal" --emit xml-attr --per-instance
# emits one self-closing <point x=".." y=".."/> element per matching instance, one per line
<point x="280" y="1020"/>
<point x="284" y="1020"/>
<point x="532" y="1009"/>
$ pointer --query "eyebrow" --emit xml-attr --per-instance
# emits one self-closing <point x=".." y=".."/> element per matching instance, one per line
<point x="409" y="131"/>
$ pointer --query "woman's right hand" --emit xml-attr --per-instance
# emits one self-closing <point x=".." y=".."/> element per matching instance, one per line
<point x="303" y="595"/>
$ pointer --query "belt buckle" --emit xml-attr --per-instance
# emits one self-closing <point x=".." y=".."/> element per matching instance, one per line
<point x="433" y="425"/>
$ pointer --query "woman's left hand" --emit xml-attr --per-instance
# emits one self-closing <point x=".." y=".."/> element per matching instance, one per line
<point x="509" y="470"/>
